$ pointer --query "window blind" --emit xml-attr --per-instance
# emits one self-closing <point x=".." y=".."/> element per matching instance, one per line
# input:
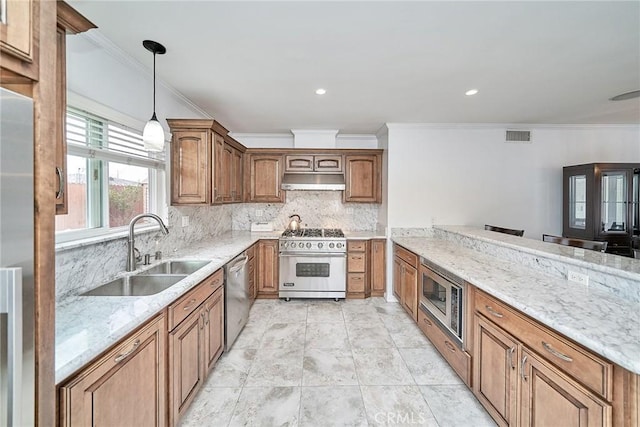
<point x="98" y="138"/>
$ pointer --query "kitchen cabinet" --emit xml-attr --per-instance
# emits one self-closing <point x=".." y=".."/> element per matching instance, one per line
<point x="268" y="266"/>
<point x="196" y="341"/>
<point x="264" y="177"/>
<point x="69" y="22"/>
<point x="405" y="280"/>
<point x="358" y="264"/>
<point x="126" y="386"/>
<point x="205" y="163"/>
<point x="362" y="178"/>
<point x="300" y="163"/>
<point x="525" y="374"/>
<point x="602" y="202"/>
<point x="252" y="271"/>
<point x="19" y="40"/>
<point x="378" y="267"/>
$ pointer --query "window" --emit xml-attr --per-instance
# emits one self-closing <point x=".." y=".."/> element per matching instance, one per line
<point x="110" y="177"/>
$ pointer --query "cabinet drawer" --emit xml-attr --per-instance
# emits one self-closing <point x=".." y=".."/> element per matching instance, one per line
<point x="355" y="282"/>
<point x="356" y="245"/>
<point x="459" y="360"/>
<point x="188" y="303"/>
<point x="585" y="367"/>
<point x="405" y="255"/>
<point x="356" y="263"/>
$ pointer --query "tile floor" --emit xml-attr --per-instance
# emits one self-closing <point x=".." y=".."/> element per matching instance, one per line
<point x="326" y="363"/>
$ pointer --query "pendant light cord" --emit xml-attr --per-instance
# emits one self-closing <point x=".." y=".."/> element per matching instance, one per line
<point x="154" y="84"/>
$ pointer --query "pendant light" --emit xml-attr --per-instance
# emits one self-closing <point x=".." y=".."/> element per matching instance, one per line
<point x="153" y="134"/>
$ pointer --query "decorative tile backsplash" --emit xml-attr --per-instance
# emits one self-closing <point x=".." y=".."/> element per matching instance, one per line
<point x="317" y="209"/>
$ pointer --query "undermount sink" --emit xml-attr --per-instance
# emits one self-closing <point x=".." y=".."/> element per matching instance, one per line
<point x="137" y="285"/>
<point x="175" y="267"/>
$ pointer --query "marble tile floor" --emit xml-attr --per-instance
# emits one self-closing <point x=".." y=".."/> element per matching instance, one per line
<point x="326" y="363"/>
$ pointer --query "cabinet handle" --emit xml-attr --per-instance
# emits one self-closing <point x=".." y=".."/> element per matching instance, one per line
<point x="450" y="346"/>
<point x="119" y="358"/>
<point x="190" y="305"/>
<point x="523" y="362"/>
<point x="427" y="321"/>
<point x="202" y="322"/>
<point x="60" y="192"/>
<point x="556" y="352"/>
<point x="493" y="312"/>
<point x="511" y="351"/>
<point x="206" y="318"/>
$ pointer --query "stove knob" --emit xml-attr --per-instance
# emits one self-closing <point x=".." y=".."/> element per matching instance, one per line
<point x="284" y="244"/>
<point x="300" y="245"/>
<point x="308" y="245"/>
<point x="320" y="245"/>
<point x="331" y="245"/>
<point x="338" y="245"/>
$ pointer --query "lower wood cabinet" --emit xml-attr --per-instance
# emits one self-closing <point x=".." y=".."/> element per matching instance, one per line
<point x="358" y="269"/>
<point x="268" y="268"/>
<point x="195" y="343"/>
<point x="252" y="271"/>
<point x="126" y="386"/>
<point x="519" y="386"/>
<point x="405" y="279"/>
<point x="378" y="267"/>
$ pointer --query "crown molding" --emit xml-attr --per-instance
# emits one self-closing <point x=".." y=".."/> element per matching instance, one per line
<point x="501" y="126"/>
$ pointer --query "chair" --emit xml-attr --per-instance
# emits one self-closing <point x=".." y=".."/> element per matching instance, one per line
<point x="577" y="243"/>
<point x="519" y="233"/>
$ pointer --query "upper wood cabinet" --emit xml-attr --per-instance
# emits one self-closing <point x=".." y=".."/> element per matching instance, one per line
<point x="263" y="178"/>
<point x="301" y="163"/>
<point x="206" y="163"/>
<point x="19" y="40"/>
<point x="69" y="22"/>
<point x="362" y="178"/>
<point x="124" y="387"/>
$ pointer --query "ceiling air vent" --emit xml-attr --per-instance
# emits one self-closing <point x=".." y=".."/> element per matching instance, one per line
<point x="518" y="136"/>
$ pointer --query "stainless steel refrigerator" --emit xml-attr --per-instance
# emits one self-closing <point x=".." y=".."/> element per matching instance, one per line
<point x="17" y="318"/>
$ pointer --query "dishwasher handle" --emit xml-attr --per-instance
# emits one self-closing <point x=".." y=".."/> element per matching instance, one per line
<point x="239" y="265"/>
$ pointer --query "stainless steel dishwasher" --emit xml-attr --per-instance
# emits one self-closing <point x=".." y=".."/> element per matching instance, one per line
<point x="236" y="299"/>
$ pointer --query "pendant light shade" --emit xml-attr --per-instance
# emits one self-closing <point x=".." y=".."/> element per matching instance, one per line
<point x="153" y="133"/>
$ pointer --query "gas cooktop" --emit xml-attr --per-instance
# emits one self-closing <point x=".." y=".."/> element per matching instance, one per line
<point x="311" y="233"/>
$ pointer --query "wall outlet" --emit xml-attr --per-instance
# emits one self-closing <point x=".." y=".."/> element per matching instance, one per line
<point x="185" y="221"/>
<point x="259" y="212"/>
<point x="575" y="277"/>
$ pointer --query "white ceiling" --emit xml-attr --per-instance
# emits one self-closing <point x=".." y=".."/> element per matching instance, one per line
<point x="254" y="66"/>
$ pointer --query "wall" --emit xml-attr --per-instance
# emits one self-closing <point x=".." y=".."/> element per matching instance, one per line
<point x="467" y="175"/>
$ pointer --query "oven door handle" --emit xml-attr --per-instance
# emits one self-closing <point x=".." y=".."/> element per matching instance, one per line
<point x="313" y="254"/>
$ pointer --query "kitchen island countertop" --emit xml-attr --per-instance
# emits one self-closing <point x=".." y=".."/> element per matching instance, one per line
<point x="599" y="320"/>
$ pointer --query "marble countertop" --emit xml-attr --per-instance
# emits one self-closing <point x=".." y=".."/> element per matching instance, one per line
<point x="365" y="235"/>
<point x="600" y="321"/>
<point x="86" y="326"/>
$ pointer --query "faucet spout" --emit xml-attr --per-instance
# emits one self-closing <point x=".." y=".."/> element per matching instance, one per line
<point x="131" y="247"/>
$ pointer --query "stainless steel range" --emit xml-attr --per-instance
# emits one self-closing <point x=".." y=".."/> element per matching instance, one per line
<point x="313" y="263"/>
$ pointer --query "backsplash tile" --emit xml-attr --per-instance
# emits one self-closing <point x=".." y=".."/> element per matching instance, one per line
<point x="322" y="209"/>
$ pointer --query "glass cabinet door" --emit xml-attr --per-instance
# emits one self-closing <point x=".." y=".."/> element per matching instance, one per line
<point x="614" y="202"/>
<point x="578" y="201"/>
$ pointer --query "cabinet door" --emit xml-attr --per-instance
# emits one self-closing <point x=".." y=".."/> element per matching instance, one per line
<point x="550" y="398"/>
<point x="410" y="290"/>
<point x="61" y="107"/>
<point x="331" y="164"/>
<point x="190" y="168"/>
<point x="186" y="364"/>
<point x="18" y="32"/>
<point x="378" y="270"/>
<point x="221" y="182"/>
<point x="125" y="387"/>
<point x="495" y="371"/>
<point x="236" y="176"/>
<point x="615" y="198"/>
<point x="268" y="268"/>
<point x="213" y="328"/>
<point x="362" y="179"/>
<point x="298" y="163"/>
<point x="265" y="178"/>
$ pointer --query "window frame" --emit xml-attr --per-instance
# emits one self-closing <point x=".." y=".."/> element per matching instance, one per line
<point x="157" y="185"/>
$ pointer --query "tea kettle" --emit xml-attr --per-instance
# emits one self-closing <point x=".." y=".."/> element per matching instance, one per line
<point x="294" y="224"/>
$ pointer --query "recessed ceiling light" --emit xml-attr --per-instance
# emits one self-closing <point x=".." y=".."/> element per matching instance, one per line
<point x="320" y="91"/>
<point x="471" y="92"/>
<point x="628" y="95"/>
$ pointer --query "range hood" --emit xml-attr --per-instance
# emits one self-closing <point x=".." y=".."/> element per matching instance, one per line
<point x="313" y="181"/>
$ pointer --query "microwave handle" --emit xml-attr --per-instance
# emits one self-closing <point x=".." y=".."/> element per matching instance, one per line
<point x="11" y="305"/>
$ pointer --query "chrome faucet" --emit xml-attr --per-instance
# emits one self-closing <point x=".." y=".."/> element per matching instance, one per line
<point x="131" y="248"/>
